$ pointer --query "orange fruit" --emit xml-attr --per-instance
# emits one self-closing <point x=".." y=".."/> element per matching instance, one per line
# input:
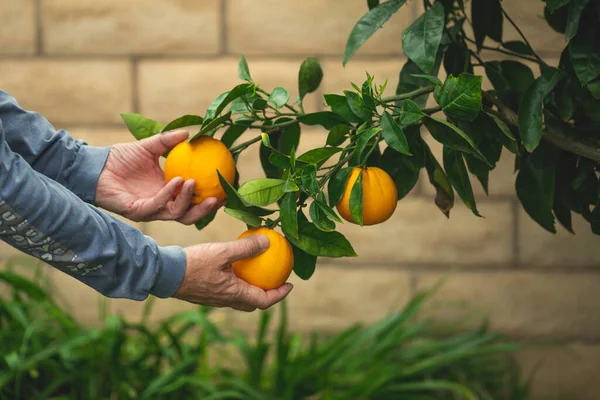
<point x="380" y="196"/>
<point x="200" y="160"/>
<point x="270" y="269"/>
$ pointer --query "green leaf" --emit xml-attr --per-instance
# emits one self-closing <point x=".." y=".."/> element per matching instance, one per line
<point x="408" y="82"/>
<point x="518" y="47"/>
<point x="576" y="7"/>
<point x="210" y="125"/>
<point x="372" y="4"/>
<point x="434" y="80"/>
<point x="460" y="97"/>
<point x="487" y="20"/>
<point x="328" y="211"/>
<point x="450" y="135"/>
<point x="595" y="220"/>
<point x="403" y="169"/>
<point x="319" y="155"/>
<point x="535" y="185"/>
<point x="393" y="134"/>
<point x="339" y="105"/>
<point x="181" y="122"/>
<point x="262" y="192"/>
<point x="309" y="77"/>
<point x="362" y="143"/>
<point x="203" y="222"/>
<point x="141" y="127"/>
<point x="444" y="197"/>
<point x="321" y="244"/>
<point x="319" y="219"/>
<point x="357" y="106"/>
<point x="219" y="104"/>
<point x="368" y="24"/>
<point x="356" y="200"/>
<point x="304" y="263"/>
<point x="585" y="57"/>
<point x="245" y="216"/>
<point x="557" y="19"/>
<point x="411" y="113"/>
<point x="308" y="177"/>
<point x="594" y="88"/>
<point x="289" y="215"/>
<point x="459" y="178"/>
<point x="554" y="4"/>
<point x="279" y="160"/>
<point x="338" y="135"/>
<point x="337" y="185"/>
<point x="509" y="75"/>
<point x="327" y="119"/>
<point x="279" y="97"/>
<point x="531" y="109"/>
<point x="243" y="70"/>
<point x="232" y="134"/>
<point x="421" y="40"/>
<point x="457" y="60"/>
<point x="260" y="104"/>
<point x="234" y="201"/>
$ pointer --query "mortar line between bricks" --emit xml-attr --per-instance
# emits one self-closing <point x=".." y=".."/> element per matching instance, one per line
<point x="39" y="30"/>
<point x="459" y="268"/>
<point x="492" y="198"/>
<point x="211" y="57"/>
<point x="224" y="34"/>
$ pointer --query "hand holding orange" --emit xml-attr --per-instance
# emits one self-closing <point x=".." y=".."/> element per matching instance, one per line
<point x="199" y="160"/>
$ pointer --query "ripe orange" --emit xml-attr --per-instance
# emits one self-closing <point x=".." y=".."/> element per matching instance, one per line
<point x="270" y="269"/>
<point x="379" y="196"/>
<point x="199" y="160"/>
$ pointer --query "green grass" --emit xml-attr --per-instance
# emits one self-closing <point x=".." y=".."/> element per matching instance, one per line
<point x="46" y="354"/>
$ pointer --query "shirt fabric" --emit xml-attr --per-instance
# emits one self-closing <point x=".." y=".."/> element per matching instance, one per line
<point x="47" y="189"/>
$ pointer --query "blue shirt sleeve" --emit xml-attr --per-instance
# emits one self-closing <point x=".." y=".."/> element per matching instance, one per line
<point x="46" y="220"/>
<point x="53" y="153"/>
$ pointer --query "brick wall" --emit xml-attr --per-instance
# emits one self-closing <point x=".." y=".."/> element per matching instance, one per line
<point x="82" y="62"/>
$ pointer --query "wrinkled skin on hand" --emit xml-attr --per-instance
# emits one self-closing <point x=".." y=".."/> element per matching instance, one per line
<point x="132" y="183"/>
<point x="209" y="279"/>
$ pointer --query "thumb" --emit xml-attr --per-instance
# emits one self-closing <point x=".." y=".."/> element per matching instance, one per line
<point x="163" y="142"/>
<point x="247" y="247"/>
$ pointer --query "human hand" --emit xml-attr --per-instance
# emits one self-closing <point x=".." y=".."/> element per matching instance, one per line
<point x="209" y="279"/>
<point x="132" y="183"/>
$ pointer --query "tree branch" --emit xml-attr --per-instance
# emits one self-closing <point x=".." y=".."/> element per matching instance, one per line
<point x="409" y="95"/>
<point x="580" y="146"/>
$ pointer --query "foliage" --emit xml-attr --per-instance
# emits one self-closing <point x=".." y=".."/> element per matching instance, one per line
<point x="549" y="119"/>
<point x="46" y="354"/>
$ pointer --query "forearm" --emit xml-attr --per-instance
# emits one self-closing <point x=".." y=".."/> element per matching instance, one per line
<point x="55" y="154"/>
<point x="47" y="221"/>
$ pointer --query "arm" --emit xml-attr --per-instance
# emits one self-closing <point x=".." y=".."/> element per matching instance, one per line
<point x="55" y="154"/>
<point x="46" y="220"/>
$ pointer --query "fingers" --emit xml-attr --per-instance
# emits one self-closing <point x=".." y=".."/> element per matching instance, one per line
<point x="157" y="203"/>
<point x="263" y="299"/>
<point x="246" y="248"/>
<point x="163" y="142"/>
<point x="183" y="200"/>
<point x="199" y="211"/>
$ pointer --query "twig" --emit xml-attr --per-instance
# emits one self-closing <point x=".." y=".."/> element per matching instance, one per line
<point x="409" y="95"/>
<point x="510" y="53"/>
<point x="580" y="146"/>
<point x="522" y="35"/>
<point x="289" y="107"/>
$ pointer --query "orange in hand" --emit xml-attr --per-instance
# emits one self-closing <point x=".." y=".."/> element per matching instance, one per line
<point x="380" y="196"/>
<point x="270" y="269"/>
<point x="200" y="160"/>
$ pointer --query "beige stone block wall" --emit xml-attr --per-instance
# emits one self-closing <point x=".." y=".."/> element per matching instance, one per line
<point x="82" y="62"/>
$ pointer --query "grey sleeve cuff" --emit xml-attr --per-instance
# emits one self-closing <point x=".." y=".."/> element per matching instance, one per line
<point x="170" y="273"/>
<point x="85" y="170"/>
